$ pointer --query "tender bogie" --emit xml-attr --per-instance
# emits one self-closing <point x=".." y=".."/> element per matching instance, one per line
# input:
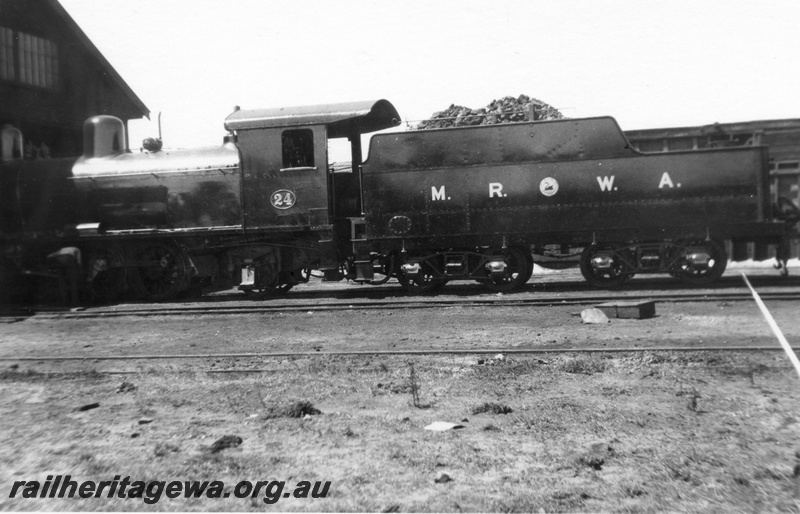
<point x="500" y="269"/>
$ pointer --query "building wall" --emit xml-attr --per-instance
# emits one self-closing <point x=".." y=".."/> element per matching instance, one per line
<point x="50" y="82"/>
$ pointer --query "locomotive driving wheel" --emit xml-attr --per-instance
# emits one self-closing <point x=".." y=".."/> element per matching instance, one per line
<point x="606" y="265"/>
<point x="275" y="282"/>
<point x="518" y="269"/>
<point x="286" y="281"/>
<point x="104" y="271"/>
<point x="267" y="282"/>
<point x="259" y="293"/>
<point x="161" y="271"/>
<point x="700" y="262"/>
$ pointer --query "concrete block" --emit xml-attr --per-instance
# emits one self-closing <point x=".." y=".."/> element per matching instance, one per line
<point x="629" y="310"/>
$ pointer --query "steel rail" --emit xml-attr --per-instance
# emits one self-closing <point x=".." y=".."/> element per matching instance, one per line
<point x="345" y="305"/>
<point x="360" y="353"/>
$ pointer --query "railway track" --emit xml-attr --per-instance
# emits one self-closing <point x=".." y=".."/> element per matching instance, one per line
<point x="395" y="353"/>
<point x="348" y="299"/>
<point x="205" y="309"/>
<point x="233" y="369"/>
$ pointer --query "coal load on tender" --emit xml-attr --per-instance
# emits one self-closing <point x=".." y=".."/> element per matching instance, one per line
<point x="505" y="110"/>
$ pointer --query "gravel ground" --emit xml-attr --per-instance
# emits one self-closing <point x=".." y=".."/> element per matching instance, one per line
<point x="633" y="431"/>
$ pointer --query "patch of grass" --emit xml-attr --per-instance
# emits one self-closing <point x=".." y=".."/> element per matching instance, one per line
<point x="296" y="409"/>
<point x="391" y="387"/>
<point x="165" y="449"/>
<point x="210" y="464"/>
<point x="413" y="382"/>
<point x="571" y="499"/>
<point x="93" y="465"/>
<point x="633" y="490"/>
<point x="582" y="365"/>
<point x="492" y="408"/>
<point x="374" y="449"/>
<point x="17" y="375"/>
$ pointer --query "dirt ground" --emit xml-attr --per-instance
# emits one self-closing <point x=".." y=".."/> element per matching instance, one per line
<point x="627" y="431"/>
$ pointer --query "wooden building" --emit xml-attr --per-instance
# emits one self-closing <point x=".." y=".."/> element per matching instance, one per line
<point x="52" y="78"/>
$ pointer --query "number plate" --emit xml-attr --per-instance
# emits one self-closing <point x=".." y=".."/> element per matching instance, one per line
<point x="282" y="199"/>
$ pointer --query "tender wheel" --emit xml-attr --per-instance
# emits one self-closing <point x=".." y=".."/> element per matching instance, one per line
<point x="515" y="273"/>
<point x="161" y="271"/>
<point x="700" y="262"/>
<point x="428" y="280"/>
<point x="605" y="265"/>
<point x="427" y="283"/>
<point x="529" y="272"/>
<point x="104" y="271"/>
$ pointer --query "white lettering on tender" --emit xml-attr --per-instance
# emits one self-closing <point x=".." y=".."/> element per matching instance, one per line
<point x="495" y="188"/>
<point x="665" y="181"/>
<point x="437" y="194"/>
<point x="606" y="183"/>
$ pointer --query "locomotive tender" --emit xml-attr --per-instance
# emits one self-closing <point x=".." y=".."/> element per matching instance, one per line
<point x="427" y="206"/>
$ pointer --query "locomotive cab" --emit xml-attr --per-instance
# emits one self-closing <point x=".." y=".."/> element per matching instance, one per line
<point x="287" y="183"/>
<point x="286" y="180"/>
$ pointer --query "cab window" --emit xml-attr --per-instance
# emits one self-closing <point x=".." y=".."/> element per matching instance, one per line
<point x="298" y="148"/>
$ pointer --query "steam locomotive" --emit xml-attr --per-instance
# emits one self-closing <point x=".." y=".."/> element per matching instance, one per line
<point x="426" y="207"/>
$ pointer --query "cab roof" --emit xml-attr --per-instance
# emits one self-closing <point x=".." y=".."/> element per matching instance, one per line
<point x="341" y="120"/>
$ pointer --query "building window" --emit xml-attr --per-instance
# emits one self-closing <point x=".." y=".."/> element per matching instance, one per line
<point x="788" y="165"/>
<point x="38" y="61"/>
<point x="7" y="54"/>
<point x="298" y="148"/>
<point x="28" y="59"/>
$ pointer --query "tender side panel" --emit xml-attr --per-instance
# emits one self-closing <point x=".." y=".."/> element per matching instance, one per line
<point x="550" y="141"/>
<point x="638" y="193"/>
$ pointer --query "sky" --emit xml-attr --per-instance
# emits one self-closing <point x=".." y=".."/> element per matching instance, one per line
<point x="649" y="64"/>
